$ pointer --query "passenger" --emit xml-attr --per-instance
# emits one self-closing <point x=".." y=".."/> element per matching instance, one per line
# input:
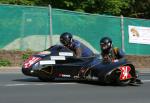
<point x="78" y="48"/>
<point x="113" y="54"/>
<point x="110" y="53"/>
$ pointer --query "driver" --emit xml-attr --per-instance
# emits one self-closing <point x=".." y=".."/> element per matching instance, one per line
<point x="79" y="49"/>
<point x="110" y="53"/>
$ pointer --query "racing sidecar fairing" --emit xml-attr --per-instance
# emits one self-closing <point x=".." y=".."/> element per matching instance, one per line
<point x="61" y="63"/>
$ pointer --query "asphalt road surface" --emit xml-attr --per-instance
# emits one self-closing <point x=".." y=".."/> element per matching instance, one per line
<point x="17" y="88"/>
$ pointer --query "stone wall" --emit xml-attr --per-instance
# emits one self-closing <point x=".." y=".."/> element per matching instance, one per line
<point x="139" y="61"/>
<point x="16" y="58"/>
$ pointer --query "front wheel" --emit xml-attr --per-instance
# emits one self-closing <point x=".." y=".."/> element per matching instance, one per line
<point x="46" y="79"/>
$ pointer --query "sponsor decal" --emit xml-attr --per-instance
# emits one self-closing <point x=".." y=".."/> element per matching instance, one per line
<point x="64" y="75"/>
<point x="65" y="53"/>
<point x="125" y="72"/>
<point x="76" y="77"/>
<point x="58" y="58"/>
<point x="44" y="62"/>
<point x="31" y="61"/>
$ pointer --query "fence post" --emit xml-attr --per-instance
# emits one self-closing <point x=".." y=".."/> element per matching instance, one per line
<point x="50" y="24"/>
<point x="22" y="32"/>
<point x="122" y="32"/>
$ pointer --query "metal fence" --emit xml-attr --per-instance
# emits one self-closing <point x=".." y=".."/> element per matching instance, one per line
<point x="36" y="28"/>
<point x="24" y="27"/>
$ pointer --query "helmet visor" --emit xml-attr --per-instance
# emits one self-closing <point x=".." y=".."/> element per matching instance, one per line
<point x="64" y="42"/>
<point x="104" y="46"/>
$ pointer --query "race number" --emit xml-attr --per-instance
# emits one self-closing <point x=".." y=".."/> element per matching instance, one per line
<point x="30" y="61"/>
<point x="125" y="72"/>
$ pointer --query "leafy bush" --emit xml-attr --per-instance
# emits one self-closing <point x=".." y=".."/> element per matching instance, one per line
<point x="27" y="54"/>
<point x="4" y="62"/>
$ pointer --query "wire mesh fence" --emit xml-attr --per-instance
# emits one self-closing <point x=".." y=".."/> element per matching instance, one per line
<point x="37" y="28"/>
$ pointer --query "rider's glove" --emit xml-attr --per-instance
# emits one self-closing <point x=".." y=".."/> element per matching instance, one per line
<point x="116" y="60"/>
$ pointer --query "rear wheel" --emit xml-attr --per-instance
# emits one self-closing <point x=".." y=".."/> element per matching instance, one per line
<point x="124" y="82"/>
<point x="121" y="82"/>
<point x="114" y="78"/>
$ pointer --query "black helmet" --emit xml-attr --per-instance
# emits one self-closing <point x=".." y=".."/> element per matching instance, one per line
<point x="66" y="38"/>
<point x="105" y="44"/>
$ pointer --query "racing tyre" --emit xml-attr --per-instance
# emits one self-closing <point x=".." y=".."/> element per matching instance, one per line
<point x="46" y="79"/>
<point x="121" y="82"/>
<point x="115" y="75"/>
<point x="124" y="82"/>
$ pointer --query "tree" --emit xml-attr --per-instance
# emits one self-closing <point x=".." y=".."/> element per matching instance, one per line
<point x="18" y="2"/>
<point x="131" y="8"/>
<point x="140" y="9"/>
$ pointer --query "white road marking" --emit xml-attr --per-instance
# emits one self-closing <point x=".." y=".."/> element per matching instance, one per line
<point x="50" y="83"/>
<point x="145" y="81"/>
<point x="64" y="83"/>
<point x="11" y="85"/>
<point x="37" y="84"/>
<point x="40" y="84"/>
